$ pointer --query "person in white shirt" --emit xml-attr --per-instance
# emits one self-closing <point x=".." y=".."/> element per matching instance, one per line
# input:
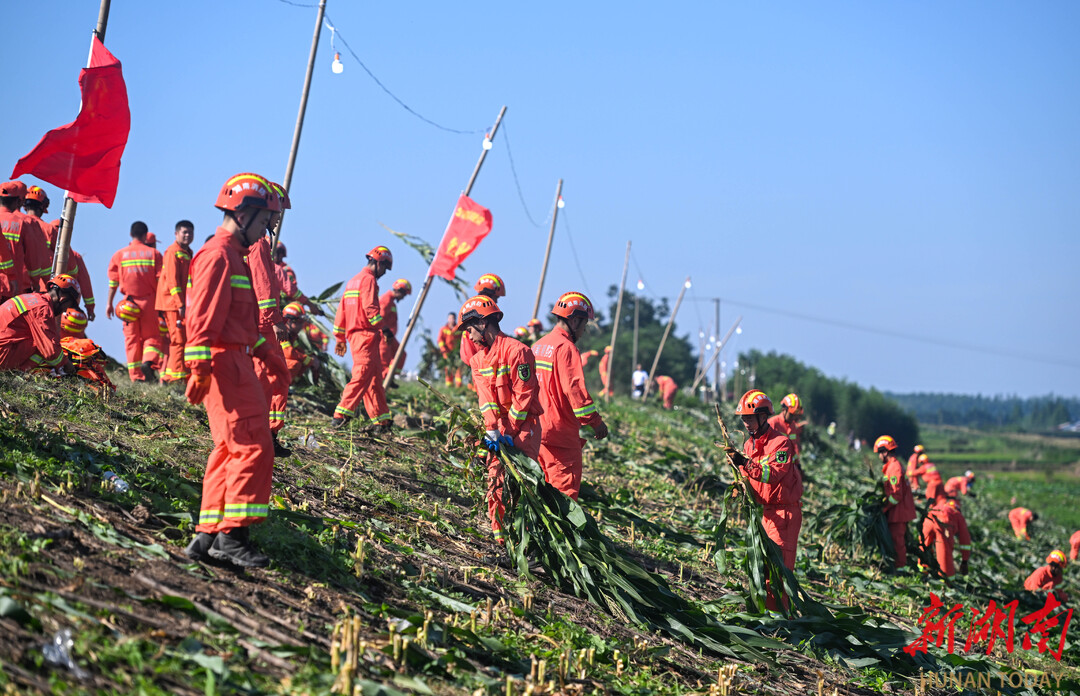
<point x="640" y="377"/>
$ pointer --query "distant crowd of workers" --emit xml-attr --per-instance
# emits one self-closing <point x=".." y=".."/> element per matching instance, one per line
<point x="226" y="322"/>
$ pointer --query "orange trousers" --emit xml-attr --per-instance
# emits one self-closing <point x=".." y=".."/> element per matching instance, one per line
<point x="782" y="524"/>
<point x="142" y="338"/>
<point x="387" y="348"/>
<point x="562" y="468"/>
<point x="898" y="532"/>
<point x="275" y="378"/>
<point x="365" y="383"/>
<point x="943" y="546"/>
<point x="175" y="369"/>
<point x="236" y="486"/>
<point x="528" y="441"/>
<point x="669" y="399"/>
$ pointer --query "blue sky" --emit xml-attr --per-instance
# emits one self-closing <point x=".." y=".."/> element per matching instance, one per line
<point x="908" y="167"/>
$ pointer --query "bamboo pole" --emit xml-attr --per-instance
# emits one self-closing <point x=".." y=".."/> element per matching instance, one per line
<point x="716" y="355"/>
<point x="547" y="252"/>
<point x="615" y="324"/>
<point x="663" y="339"/>
<point x="67" y="217"/>
<point x="415" y="314"/>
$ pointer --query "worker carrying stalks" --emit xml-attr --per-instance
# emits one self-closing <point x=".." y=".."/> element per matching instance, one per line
<point x="899" y="504"/>
<point x="222" y="337"/>
<point x="564" y="396"/>
<point x="504" y="372"/>
<point x="768" y="463"/>
<point x="388" y="346"/>
<point x="357" y="321"/>
<point x="944" y="530"/>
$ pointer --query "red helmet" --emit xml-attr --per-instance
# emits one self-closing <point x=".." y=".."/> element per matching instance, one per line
<point x="490" y="281"/>
<point x="885" y="442"/>
<point x="36" y="193"/>
<point x="1057" y="556"/>
<point x="381" y="253"/>
<point x="73" y="321"/>
<point x="280" y="249"/>
<point x="65" y="284"/>
<point x="479" y="307"/>
<point x="294" y="309"/>
<point x="403" y="285"/>
<point x="282" y="194"/>
<point x="245" y="190"/>
<point x="521" y="332"/>
<point x="151" y="239"/>
<point x="573" y="304"/>
<point x="754" y="401"/>
<point x="969" y="475"/>
<point x="128" y="311"/>
<point x="792" y="403"/>
<point x="537" y="323"/>
<point x="919" y="449"/>
<point x="13" y="188"/>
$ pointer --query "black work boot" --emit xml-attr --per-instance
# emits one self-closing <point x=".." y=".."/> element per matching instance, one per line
<point x="199" y="547"/>
<point x="280" y="450"/>
<point x="233" y="546"/>
<point x="148" y="372"/>
<point x="337" y="422"/>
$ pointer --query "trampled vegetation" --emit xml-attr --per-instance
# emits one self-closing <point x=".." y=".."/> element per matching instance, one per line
<point x="385" y="579"/>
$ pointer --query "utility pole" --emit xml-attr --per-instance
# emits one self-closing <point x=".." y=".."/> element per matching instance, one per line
<point x="716" y="379"/>
<point x="67" y="217"/>
<point x="633" y="363"/>
<point x="300" y="119"/>
<point x="415" y="314"/>
<point x="547" y="252"/>
<point x="663" y="339"/>
<point x="615" y="324"/>
<point x="716" y="356"/>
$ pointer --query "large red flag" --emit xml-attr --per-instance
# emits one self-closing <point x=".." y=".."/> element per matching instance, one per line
<point x="468" y="227"/>
<point x="84" y="157"/>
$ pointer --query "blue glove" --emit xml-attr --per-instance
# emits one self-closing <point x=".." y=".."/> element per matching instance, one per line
<point x="491" y="440"/>
<point x="505" y="440"/>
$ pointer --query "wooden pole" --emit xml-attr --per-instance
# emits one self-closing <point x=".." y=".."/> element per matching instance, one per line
<point x="415" y="314"/>
<point x="663" y="339"/>
<point x="716" y="380"/>
<point x="547" y="252"/>
<point x="615" y="324"/>
<point x="701" y="357"/>
<point x="716" y="356"/>
<point x="67" y="217"/>
<point x="299" y="119"/>
<point x="633" y="363"/>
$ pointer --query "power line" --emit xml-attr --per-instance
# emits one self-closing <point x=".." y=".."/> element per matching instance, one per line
<point x="298" y="4"/>
<point x="517" y="183"/>
<point x="906" y="336"/>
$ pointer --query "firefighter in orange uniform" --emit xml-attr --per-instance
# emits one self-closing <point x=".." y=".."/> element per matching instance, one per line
<point x="388" y="308"/>
<point x="536" y="330"/>
<point x="489" y="285"/>
<point x="1019" y="519"/>
<point x="1074" y="545"/>
<point x="768" y="463"/>
<point x="29" y="337"/>
<point x="18" y="230"/>
<point x="222" y="333"/>
<point x="357" y="321"/>
<point x="318" y="339"/>
<point x="290" y="286"/>
<point x="587" y="356"/>
<point x="899" y="503"/>
<point x="930" y="477"/>
<point x="564" y="396"/>
<point x="522" y="334"/>
<point x="504" y="371"/>
<point x="1047" y="577"/>
<point x="36" y="204"/>
<point x="943" y="527"/>
<point x="295" y="358"/>
<point x="786" y="422"/>
<point x="448" y="349"/>
<point x="666" y="389"/>
<point x="134" y="270"/>
<point x="73" y="323"/>
<point x="912" y="465"/>
<point x="603" y="368"/>
<point x="960" y="485"/>
<point x="270" y="365"/>
<point x="171" y="292"/>
<point x="37" y="261"/>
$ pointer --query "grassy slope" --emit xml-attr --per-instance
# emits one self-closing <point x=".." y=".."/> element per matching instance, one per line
<point x="110" y="566"/>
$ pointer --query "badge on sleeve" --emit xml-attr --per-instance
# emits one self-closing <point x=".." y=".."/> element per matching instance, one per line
<point x="782" y="457"/>
<point x="524" y="372"/>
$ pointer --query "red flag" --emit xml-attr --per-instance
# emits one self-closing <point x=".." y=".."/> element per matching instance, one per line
<point x="84" y="157"/>
<point x="468" y="227"/>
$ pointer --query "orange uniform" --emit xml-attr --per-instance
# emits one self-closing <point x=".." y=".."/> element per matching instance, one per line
<point x="318" y="338"/>
<point x="290" y="288"/>
<point x="170" y="298"/>
<point x="37" y="261"/>
<point x="791" y="429"/>
<point x="76" y="267"/>
<point x="389" y="344"/>
<point x="930" y="477"/>
<point x="357" y="321"/>
<point x="667" y="388"/>
<point x="221" y="330"/>
<point x="777" y="485"/>
<point x="957" y="485"/>
<point x="1044" y="578"/>
<point x="1019" y="519"/>
<point x="603" y="374"/>
<point x="270" y="365"/>
<point x="943" y="528"/>
<point x="567" y="408"/>
<point x="11" y="254"/>
<point x="295" y="359"/>
<point x="899" y="506"/>
<point x="448" y="346"/>
<point x="1074" y="545"/>
<point x="506" y="385"/>
<point x="468" y="349"/>
<point x="29" y="333"/>
<point x="912" y="465"/>
<point x="134" y="270"/>
<point x="587" y="356"/>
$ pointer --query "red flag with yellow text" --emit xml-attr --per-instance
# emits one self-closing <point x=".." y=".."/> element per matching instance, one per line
<point x="83" y="157"/>
<point x="468" y="227"/>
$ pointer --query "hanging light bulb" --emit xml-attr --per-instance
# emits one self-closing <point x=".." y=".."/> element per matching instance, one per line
<point x="687" y="284"/>
<point x="738" y="330"/>
<point x="640" y="285"/>
<point x="487" y="141"/>
<point x="560" y="204"/>
<point x="337" y="66"/>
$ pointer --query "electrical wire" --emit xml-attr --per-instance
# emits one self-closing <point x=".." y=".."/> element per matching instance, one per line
<point x="517" y="182"/>
<point x="573" y="250"/>
<point x="298" y="4"/>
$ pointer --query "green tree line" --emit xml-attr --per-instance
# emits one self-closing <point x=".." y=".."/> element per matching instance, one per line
<point x="986" y="413"/>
